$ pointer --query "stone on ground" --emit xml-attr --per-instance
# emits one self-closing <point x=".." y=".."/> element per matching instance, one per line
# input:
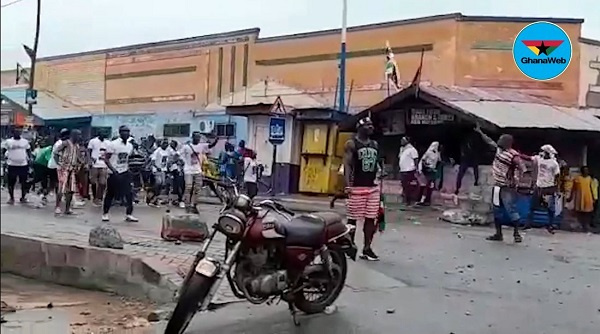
<point x="106" y="236"/>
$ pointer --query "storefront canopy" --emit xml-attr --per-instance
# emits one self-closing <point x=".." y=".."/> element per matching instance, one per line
<point x="49" y="108"/>
<point x="497" y="108"/>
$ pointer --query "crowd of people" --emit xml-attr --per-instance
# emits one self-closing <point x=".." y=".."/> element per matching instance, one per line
<point x="549" y="177"/>
<point x="108" y="171"/>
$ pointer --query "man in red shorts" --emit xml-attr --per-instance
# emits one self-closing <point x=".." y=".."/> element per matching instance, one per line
<point x="360" y="170"/>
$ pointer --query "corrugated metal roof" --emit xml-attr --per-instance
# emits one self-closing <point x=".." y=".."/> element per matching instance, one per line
<point x="510" y="108"/>
<point x="266" y="92"/>
<point x="48" y="107"/>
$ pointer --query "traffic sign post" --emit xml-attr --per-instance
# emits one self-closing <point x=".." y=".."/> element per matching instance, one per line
<point x="31" y="96"/>
<point x="276" y="137"/>
<point x="277" y="130"/>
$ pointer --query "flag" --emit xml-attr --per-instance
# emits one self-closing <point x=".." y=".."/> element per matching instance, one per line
<point x="22" y="75"/>
<point x="417" y="78"/>
<point x="391" y="69"/>
<point x="29" y="52"/>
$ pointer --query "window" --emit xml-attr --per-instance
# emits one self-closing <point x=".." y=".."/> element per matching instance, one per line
<point x="176" y="130"/>
<point x="105" y="130"/>
<point x="225" y="129"/>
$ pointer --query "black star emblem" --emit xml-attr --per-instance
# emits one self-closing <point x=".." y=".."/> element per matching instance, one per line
<point x="543" y="49"/>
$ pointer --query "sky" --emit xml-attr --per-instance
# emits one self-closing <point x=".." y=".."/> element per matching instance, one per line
<point x="81" y="25"/>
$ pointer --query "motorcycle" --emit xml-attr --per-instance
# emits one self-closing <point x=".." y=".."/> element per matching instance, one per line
<point x="271" y="255"/>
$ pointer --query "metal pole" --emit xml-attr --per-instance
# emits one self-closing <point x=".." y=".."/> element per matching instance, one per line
<point x="36" y="40"/>
<point x="343" y="57"/>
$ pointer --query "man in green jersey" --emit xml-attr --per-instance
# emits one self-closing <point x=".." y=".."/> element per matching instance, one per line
<point x="42" y="174"/>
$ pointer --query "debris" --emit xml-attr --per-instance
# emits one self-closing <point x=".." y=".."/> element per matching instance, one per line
<point x="178" y="242"/>
<point x="460" y="236"/>
<point x="462" y="217"/>
<point x="518" y="281"/>
<point x="49" y="305"/>
<point x="416" y="223"/>
<point x="467" y="313"/>
<point x="390" y="311"/>
<point x="158" y="315"/>
<point x="106" y="236"/>
<point x="85" y="313"/>
<point x="331" y="309"/>
<point x="470" y="266"/>
<point x="134" y="322"/>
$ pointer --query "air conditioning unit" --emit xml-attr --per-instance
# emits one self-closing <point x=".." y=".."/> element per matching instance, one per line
<point x="206" y="126"/>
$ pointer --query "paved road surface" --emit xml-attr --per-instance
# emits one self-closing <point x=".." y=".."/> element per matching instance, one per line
<point x="451" y="281"/>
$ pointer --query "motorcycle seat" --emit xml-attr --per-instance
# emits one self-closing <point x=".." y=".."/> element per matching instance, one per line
<point x="307" y="230"/>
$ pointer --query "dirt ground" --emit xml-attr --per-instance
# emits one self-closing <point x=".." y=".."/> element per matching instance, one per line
<point x="84" y="311"/>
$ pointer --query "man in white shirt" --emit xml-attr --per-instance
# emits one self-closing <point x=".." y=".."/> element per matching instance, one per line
<point x="408" y="159"/>
<point x="193" y="155"/>
<point x="99" y="171"/>
<point x="159" y="162"/>
<point x="251" y="175"/>
<point x="18" y="156"/>
<point x="119" y="178"/>
<point x="546" y="184"/>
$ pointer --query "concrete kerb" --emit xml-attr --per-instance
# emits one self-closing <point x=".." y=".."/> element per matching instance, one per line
<point x="88" y="268"/>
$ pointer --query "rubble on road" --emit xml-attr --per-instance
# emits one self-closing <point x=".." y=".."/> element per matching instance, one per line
<point x="463" y="217"/>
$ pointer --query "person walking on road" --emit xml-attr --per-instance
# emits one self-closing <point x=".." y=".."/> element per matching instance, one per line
<point x="159" y="161"/>
<point x="41" y="173"/>
<point x="251" y="175"/>
<point x="507" y="167"/>
<point x="119" y="178"/>
<point x="546" y="184"/>
<point x="68" y="157"/>
<point x="408" y="159"/>
<point x="193" y="154"/>
<point x="99" y="171"/>
<point x="18" y="156"/>
<point x="360" y="171"/>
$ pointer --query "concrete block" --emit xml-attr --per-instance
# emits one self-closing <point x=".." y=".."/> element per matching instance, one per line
<point x="183" y="227"/>
<point x="76" y="256"/>
<point x="56" y="255"/>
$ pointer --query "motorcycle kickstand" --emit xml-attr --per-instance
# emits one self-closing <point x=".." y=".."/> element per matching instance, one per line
<point x="294" y="312"/>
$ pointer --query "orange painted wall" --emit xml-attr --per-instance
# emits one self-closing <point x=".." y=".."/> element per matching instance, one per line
<point x="461" y="53"/>
<point x="496" y="68"/>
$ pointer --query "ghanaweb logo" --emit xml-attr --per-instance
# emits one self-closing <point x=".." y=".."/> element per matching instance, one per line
<point x="542" y="51"/>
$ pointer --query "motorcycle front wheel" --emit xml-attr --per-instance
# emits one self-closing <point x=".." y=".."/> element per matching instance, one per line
<point x="330" y="291"/>
<point x="191" y="297"/>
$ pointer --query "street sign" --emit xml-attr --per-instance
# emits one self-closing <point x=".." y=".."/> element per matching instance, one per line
<point x="278" y="107"/>
<point x="277" y="130"/>
<point x="31" y="96"/>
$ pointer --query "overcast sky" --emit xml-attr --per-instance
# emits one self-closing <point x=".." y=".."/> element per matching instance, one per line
<point x="81" y="25"/>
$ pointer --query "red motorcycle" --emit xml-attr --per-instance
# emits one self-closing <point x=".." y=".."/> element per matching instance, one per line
<point x="270" y="255"/>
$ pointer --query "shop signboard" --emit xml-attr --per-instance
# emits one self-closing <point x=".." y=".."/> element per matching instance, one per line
<point x="429" y="116"/>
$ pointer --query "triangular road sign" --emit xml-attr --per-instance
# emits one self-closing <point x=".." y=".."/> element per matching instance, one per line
<point x="278" y="107"/>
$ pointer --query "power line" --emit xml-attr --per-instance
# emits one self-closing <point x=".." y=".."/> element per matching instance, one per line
<point x="11" y="3"/>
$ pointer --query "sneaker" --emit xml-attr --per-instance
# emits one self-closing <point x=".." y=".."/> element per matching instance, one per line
<point x="130" y="218"/>
<point x="182" y="205"/>
<point x="44" y="200"/>
<point x="495" y="237"/>
<point x="369" y="255"/>
<point x="57" y="211"/>
<point x="23" y="200"/>
<point x="105" y="217"/>
<point x="153" y="205"/>
<point x="11" y="201"/>
<point x="79" y="204"/>
<point x="518" y="238"/>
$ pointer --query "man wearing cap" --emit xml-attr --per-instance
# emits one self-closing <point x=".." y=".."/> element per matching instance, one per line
<point x="546" y="183"/>
<point x="360" y="170"/>
<point x="119" y="178"/>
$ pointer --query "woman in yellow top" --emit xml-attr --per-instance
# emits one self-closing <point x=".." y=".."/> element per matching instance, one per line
<point x="583" y="196"/>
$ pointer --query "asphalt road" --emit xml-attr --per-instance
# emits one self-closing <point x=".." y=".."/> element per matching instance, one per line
<point x="443" y="279"/>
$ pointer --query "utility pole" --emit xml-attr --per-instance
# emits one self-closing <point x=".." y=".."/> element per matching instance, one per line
<point x="343" y="56"/>
<point x="33" y="56"/>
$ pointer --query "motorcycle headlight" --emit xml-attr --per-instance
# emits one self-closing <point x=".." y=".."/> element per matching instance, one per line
<point x="232" y="223"/>
<point x="243" y="202"/>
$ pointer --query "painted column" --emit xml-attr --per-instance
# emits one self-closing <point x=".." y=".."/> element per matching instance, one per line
<point x="343" y="57"/>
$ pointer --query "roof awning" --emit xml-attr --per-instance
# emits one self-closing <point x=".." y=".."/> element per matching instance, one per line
<point x="49" y="107"/>
<point x="501" y="108"/>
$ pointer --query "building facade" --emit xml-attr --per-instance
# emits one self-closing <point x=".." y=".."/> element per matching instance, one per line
<point x="187" y="74"/>
<point x="589" y="80"/>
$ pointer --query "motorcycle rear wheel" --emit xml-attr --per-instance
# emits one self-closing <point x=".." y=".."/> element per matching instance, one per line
<point x="311" y="307"/>
<point x="191" y="297"/>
